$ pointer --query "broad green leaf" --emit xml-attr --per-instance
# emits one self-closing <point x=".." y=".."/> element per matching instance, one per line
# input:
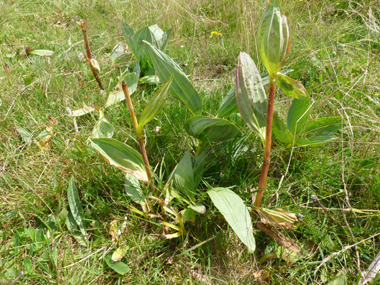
<point x="184" y="177"/>
<point x="118" y="266"/>
<point x="265" y="76"/>
<point x="315" y="141"/>
<point x="43" y="134"/>
<point x="137" y="69"/>
<point x="323" y="126"/>
<point x="117" y="52"/>
<point x="236" y="213"/>
<point x="28" y="265"/>
<point x="291" y="87"/>
<point x="134" y="191"/>
<point x="198" y="167"/>
<point x="42" y="52"/>
<point x="102" y="128"/>
<point x="142" y="35"/>
<point x="181" y="87"/>
<point x="157" y="35"/>
<point x="121" y="156"/>
<point x="63" y="216"/>
<point x="165" y="38"/>
<point x="25" y="135"/>
<point x="150" y="79"/>
<point x="200" y="209"/>
<point x="340" y="279"/>
<point x="128" y="30"/>
<point x="250" y="95"/>
<point x="188" y="215"/>
<point x="73" y="228"/>
<point x="281" y="131"/>
<point x="118" y="95"/>
<point x="273" y="39"/>
<point x="298" y="115"/>
<point x="229" y="104"/>
<point x="211" y="129"/>
<point x="151" y="71"/>
<point x="75" y="206"/>
<point x="155" y="105"/>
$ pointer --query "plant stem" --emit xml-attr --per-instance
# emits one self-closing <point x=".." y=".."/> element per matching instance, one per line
<point x="140" y="138"/>
<point x="83" y="24"/>
<point x="268" y="141"/>
<point x="199" y="150"/>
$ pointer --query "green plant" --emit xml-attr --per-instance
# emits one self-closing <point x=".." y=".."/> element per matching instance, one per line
<point x="152" y="34"/>
<point x="185" y="178"/>
<point x="256" y="109"/>
<point x="303" y="132"/>
<point x="142" y="68"/>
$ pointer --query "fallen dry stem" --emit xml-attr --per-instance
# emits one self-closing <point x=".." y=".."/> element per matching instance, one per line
<point x="342" y="250"/>
<point x="279" y="238"/>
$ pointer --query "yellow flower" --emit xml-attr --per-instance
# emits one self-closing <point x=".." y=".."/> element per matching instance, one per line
<point x="214" y="33"/>
<point x="220" y="34"/>
<point x="337" y="3"/>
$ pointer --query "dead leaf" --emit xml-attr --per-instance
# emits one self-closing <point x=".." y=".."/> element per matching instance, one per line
<point x="280" y="238"/>
<point x="119" y="253"/>
<point x="81" y="56"/>
<point x="277" y="218"/>
<point x="52" y="120"/>
<point x="95" y="64"/>
<point x="117" y="229"/>
<point x="82" y="111"/>
<point x="43" y="143"/>
<point x="261" y="275"/>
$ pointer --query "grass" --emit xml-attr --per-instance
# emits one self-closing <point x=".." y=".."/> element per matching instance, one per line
<point x="335" y="51"/>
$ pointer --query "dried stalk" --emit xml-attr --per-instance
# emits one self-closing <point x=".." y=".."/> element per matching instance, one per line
<point x="83" y="24"/>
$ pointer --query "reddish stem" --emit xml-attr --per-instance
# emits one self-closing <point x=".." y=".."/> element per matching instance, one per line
<point x="268" y="142"/>
<point x="83" y="24"/>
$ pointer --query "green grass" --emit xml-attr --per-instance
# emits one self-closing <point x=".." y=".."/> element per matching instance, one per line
<point x="343" y="80"/>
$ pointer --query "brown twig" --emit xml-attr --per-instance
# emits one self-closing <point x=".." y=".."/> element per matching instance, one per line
<point x="365" y="7"/>
<point x="8" y="71"/>
<point x="18" y="277"/>
<point x="268" y="142"/>
<point x="343" y="210"/>
<point x="279" y="238"/>
<point x="140" y="138"/>
<point x="83" y="24"/>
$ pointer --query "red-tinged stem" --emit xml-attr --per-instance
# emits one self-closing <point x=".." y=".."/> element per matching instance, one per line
<point x="139" y="135"/>
<point x="83" y="24"/>
<point x="268" y="141"/>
